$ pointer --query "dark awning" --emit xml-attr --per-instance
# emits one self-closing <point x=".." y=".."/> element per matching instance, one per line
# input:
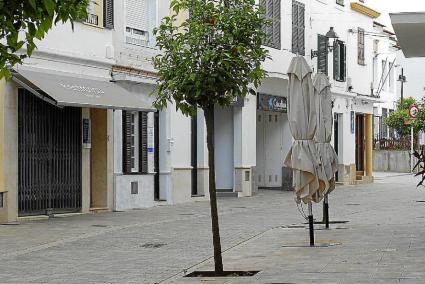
<point x="68" y="89"/>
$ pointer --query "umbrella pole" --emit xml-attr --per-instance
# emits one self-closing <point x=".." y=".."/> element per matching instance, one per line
<point x="311" y="223"/>
<point x="326" y="211"/>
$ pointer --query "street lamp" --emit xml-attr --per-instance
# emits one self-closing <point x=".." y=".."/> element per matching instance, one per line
<point x="331" y="34"/>
<point x="402" y="79"/>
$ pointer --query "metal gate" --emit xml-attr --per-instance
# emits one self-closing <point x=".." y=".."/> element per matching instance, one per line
<point x="49" y="154"/>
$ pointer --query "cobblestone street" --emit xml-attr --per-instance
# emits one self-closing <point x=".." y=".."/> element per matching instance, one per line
<point x="383" y="242"/>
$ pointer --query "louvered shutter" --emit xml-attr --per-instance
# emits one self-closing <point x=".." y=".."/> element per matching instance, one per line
<point x="336" y="65"/>
<point x="294" y="27"/>
<point x="360" y="47"/>
<point x="137" y="14"/>
<point x="269" y="28"/>
<point x="126" y="142"/>
<point x="301" y="29"/>
<point x="322" y="54"/>
<point x="108" y="14"/>
<point x="263" y="3"/>
<point x="344" y="62"/>
<point x="143" y="142"/>
<point x="276" y="24"/>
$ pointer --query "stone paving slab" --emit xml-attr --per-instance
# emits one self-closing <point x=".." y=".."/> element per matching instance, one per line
<point x="383" y="242"/>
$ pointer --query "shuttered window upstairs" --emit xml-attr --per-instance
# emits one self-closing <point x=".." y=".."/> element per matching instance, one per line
<point x="339" y="60"/>
<point x="108" y="14"/>
<point x="272" y="13"/>
<point x="137" y="14"/>
<point x="135" y="141"/>
<point x="141" y="19"/>
<point x="322" y="54"/>
<point x="360" y="46"/>
<point x="298" y="28"/>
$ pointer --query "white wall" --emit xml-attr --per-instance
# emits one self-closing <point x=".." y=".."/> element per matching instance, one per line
<point x="223" y="142"/>
<point x="414" y="72"/>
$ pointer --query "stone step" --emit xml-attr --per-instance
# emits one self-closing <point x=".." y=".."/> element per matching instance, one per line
<point x="221" y="194"/>
<point x="99" y="209"/>
<point x="357" y="182"/>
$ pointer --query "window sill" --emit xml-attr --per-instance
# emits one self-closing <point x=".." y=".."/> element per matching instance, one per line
<point x="138" y="174"/>
<point x="93" y="25"/>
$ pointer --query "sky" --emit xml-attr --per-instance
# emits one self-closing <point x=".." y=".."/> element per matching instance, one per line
<point x="412" y="66"/>
<point x="395" y="6"/>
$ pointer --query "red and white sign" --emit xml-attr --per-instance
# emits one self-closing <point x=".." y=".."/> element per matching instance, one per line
<point x="413" y="111"/>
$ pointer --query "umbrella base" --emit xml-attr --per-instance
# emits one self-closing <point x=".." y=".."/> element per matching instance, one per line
<point x="319" y="244"/>
<point x="330" y="222"/>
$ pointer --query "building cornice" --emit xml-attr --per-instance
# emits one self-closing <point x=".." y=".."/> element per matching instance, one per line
<point x="363" y="9"/>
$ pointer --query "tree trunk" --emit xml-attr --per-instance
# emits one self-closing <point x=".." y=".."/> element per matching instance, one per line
<point x="209" y="119"/>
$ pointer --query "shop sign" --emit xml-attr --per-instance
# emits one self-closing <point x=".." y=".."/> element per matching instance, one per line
<point x="86" y="133"/>
<point x="272" y="103"/>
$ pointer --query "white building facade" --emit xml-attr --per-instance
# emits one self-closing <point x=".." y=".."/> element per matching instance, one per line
<point x="95" y="83"/>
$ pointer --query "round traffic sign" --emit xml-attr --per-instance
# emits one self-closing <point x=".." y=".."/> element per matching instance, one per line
<point x="413" y="111"/>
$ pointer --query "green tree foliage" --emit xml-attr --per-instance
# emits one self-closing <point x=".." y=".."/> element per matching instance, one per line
<point x="209" y="59"/>
<point x="419" y="122"/>
<point x="22" y="22"/>
<point x="397" y="119"/>
<point x="407" y="102"/>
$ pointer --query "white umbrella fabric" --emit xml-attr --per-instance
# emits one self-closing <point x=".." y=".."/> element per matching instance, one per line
<point x="302" y="116"/>
<point x="326" y="152"/>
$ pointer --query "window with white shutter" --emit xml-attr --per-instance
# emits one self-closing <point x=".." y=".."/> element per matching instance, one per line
<point x="298" y="27"/>
<point x="360" y="47"/>
<point x="272" y="13"/>
<point x="135" y="149"/>
<point x="141" y="19"/>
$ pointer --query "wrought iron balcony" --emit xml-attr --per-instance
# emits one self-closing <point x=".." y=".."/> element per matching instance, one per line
<point x="92" y="19"/>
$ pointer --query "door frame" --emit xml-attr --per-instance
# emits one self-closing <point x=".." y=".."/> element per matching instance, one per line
<point x="360" y="142"/>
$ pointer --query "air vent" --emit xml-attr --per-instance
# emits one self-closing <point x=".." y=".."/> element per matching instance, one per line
<point x="246" y="175"/>
<point x="134" y="187"/>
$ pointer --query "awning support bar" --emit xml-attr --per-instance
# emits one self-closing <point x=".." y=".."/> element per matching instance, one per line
<point x="34" y="92"/>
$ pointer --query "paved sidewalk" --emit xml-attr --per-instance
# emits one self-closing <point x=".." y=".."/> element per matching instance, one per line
<point x="384" y="241"/>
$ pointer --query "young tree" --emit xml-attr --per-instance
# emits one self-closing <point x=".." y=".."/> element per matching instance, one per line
<point x="209" y="59"/>
<point x="24" y="21"/>
<point x="397" y="119"/>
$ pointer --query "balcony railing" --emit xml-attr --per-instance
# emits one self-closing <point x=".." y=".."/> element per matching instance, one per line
<point x="402" y="143"/>
<point x="92" y="19"/>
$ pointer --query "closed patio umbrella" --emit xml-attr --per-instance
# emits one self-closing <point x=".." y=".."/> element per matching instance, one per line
<point x="302" y="117"/>
<point x="323" y="137"/>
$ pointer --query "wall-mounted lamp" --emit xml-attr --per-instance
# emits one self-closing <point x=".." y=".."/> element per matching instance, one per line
<point x="331" y="34"/>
